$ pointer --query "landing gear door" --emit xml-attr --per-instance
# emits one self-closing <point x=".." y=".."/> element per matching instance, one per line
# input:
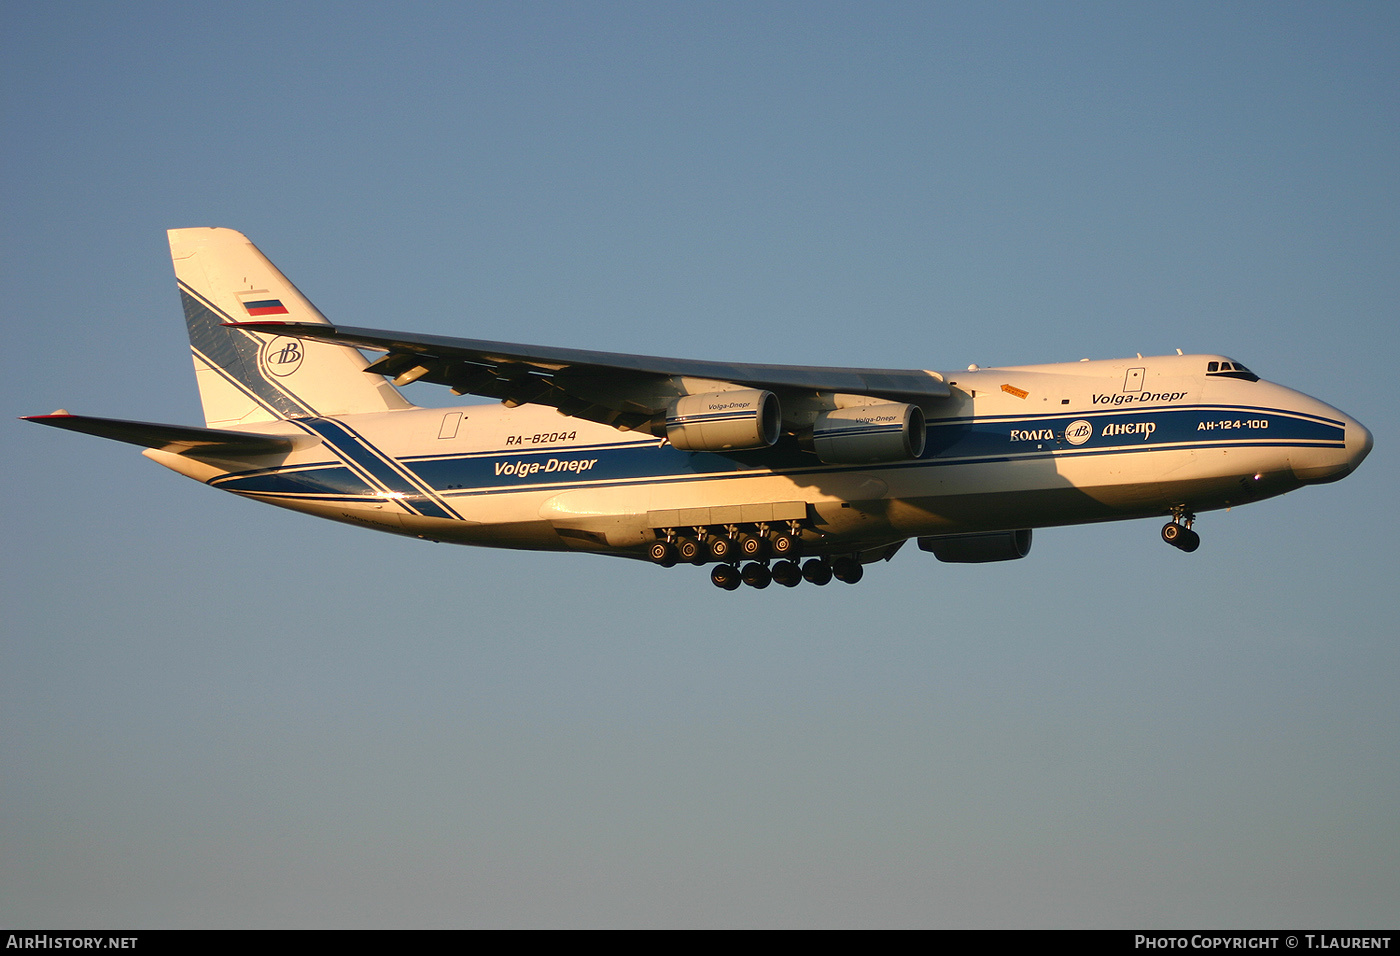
<point x="1132" y="382"/>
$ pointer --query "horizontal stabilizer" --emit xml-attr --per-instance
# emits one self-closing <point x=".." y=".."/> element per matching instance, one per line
<point x="178" y="439"/>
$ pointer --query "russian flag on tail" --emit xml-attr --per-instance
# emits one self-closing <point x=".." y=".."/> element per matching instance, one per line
<point x="265" y="307"/>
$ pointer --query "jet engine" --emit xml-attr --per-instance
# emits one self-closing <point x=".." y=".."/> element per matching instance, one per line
<point x="862" y="434"/>
<point x="724" y="421"/>
<point x="978" y="548"/>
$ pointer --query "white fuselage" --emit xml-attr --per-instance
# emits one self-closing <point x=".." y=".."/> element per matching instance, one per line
<point x="1013" y="448"/>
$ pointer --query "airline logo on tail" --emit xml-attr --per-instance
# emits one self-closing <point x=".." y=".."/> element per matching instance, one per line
<point x="282" y="356"/>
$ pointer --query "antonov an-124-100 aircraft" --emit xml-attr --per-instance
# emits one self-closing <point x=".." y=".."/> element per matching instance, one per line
<point x="765" y="473"/>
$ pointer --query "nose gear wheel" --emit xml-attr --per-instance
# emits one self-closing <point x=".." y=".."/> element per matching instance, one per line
<point x="1177" y="532"/>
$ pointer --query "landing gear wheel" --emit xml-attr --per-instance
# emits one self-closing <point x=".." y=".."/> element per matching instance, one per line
<point x="783" y="545"/>
<point x="721" y="549"/>
<point x="787" y="573"/>
<point x="663" y="553"/>
<point x="757" y="575"/>
<point x="848" y="570"/>
<point x="1180" y="537"/>
<point x="688" y="549"/>
<point x="725" y="576"/>
<point x="817" y="571"/>
<point x="752" y="546"/>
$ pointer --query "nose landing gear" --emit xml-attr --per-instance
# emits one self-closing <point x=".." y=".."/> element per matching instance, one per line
<point x="1177" y="532"/>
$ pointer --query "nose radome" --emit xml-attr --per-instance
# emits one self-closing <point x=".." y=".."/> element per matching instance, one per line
<point x="1320" y="464"/>
<point x="1359" y="442"/>
<point x="1331" y="446"/>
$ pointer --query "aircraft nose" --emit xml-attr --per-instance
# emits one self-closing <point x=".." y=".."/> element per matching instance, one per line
<point x="1359" y="442"/>
<point x="1319" y="465"/>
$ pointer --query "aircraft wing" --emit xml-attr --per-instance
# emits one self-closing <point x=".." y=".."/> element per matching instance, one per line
<point x="623" y="390"/>
<point x="179" y="439"/>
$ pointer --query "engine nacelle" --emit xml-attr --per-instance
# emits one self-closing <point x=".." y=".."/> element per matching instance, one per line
<point x="725" y="421"/>
<point x="978" y="548"/>
<point x="862" y="434"/>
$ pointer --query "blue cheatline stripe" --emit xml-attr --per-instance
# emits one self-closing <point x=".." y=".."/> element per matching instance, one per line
<point x="650" y="443"/>
<point x="410" y="491"/>
<point x="370" y="467"/>
<point x="317" y="480"/>
<point x="253" y="483"/>
<point x="404" y="472"/>
<point x="1137" y="412"/>
<point x="427" y="486"/>
<point x="233" y="353"/>
<point x="1197" y="425"/>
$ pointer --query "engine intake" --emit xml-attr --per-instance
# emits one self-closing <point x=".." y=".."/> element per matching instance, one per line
<point x="978" y="548"/>
<point x="861" y="434"/>
<point x="724" y="421"/>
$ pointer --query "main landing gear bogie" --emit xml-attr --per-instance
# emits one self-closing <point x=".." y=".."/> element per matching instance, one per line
<point x="725" y="544"/>
<point x="754" y="555"/>
<point x="789" y="574"/>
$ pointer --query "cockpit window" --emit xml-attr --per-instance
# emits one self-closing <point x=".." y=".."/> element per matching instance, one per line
<point x="1230" y="370"/>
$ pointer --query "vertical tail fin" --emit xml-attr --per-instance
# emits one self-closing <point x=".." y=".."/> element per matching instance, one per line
<point x="247" y="377"/>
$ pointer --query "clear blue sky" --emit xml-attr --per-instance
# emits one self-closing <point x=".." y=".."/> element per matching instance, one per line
<point x="219" y="714"/>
